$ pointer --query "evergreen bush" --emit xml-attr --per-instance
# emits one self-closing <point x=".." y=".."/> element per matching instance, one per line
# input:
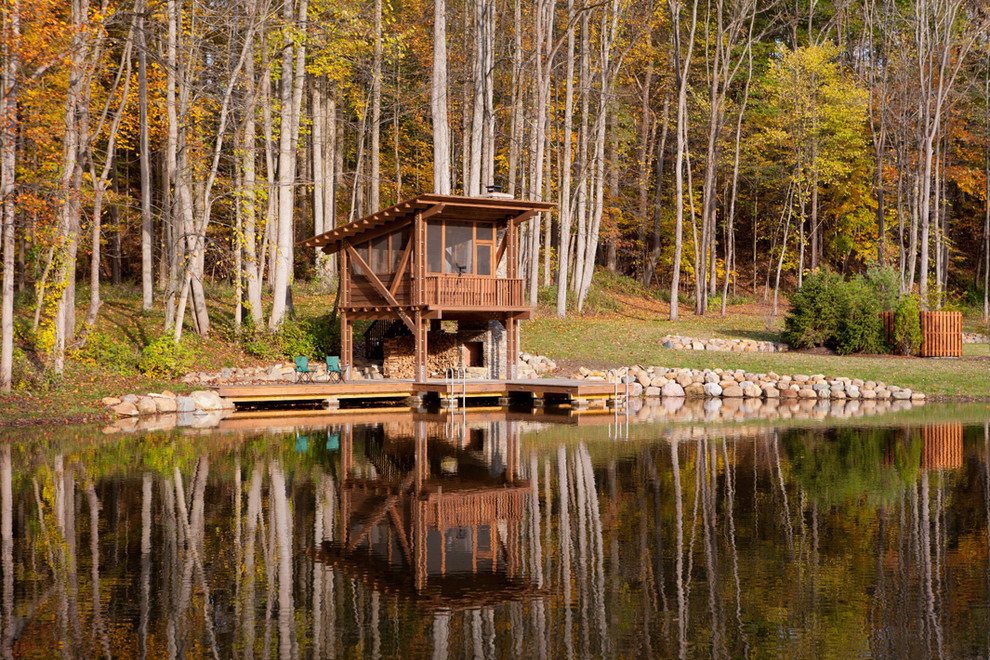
<point x="816" y="309"/>
<point x="907" y="326"/>
<point x="843" y="315"/>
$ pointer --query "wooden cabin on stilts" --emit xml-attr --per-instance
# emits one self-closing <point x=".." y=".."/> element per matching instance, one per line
<point x="430" y="259"/>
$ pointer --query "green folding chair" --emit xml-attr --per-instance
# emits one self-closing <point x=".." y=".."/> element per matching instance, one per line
<point x="302" y="368"/>
<point x="334" y="374"/>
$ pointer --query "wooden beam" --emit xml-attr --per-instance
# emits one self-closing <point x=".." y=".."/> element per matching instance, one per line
<point x="501" y="250"/>
<point x="433" y="210"/>
<point x="523" y="216"/>
<point x="379" y="287"/>
<point x="401" y="270"/>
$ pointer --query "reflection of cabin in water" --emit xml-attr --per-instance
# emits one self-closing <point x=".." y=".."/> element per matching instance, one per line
<point x="433" y="520"/>
<point x="429" y="259"/>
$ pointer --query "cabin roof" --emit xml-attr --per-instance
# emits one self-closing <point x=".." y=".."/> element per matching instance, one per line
<point x="447" y="207"/>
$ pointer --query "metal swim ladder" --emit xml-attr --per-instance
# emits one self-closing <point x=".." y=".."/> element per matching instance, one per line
<point x="452" y="376"/>
<point x="616" y="377"/>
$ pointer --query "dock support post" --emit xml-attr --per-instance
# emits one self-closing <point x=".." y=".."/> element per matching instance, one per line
<point x="538" y="400"/>
<point x="421" y="348"/>
<point x="579" y="403"/>
<point x="504" y="401"/>
<point x="333" y="403"/>
<point x="346" y="343"/>
<point x="512" y="345"/>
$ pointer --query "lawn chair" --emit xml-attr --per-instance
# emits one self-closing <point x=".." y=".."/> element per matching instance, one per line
<point x="334" y="374"/>
<point x="303" y="371"/>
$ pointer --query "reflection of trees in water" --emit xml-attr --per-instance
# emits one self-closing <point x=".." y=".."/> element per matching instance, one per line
<point x="770" y="544"/>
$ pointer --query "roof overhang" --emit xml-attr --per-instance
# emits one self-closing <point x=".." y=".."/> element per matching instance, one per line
<point x="446" y="207"/>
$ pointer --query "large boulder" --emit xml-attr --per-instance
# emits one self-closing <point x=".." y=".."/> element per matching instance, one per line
<point x="206" y="400"/>
<point x="672" y="390"/>
<point x="125" y="408"/>
<point x="713" y="390"/>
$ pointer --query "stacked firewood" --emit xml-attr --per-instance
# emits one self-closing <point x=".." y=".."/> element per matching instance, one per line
<point x="400" y="355"/>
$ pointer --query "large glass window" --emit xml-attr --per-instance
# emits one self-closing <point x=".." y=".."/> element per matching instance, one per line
<point x="379" y="255"/>
<point x="434" y="246"/>
<point x="457" y="248"/>
<point x="460" y="247"/>
<point x="399" y="242"/>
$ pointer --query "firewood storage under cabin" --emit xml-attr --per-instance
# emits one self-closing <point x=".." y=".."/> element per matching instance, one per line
<point x="429" y="261"/>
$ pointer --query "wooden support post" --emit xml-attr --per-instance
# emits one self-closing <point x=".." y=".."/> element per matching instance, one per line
<point x="346" y="344"/>
<point x="419" y="260"/>
<point x="512" y="345"/>
<point x="333" y="403"/>
<point x="421" y="347"/>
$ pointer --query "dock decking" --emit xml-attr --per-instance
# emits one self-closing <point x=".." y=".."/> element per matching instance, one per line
<point x="539" y="391"/>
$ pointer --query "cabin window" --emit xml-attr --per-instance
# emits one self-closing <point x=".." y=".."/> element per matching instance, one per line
<point x="362" y="250"/>
<point x="379" y="255"/>
<point x="484" y="259"/>
<point x="457" y="248"/>
<point x="399" y="242"/>
<point x="434" y="246"/>
<point x="460" y="247"/>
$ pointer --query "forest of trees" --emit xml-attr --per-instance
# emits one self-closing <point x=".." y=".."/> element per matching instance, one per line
<point x="697" y="146"/>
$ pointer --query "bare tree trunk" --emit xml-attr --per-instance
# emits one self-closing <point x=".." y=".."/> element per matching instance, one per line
<point x="438" y="101"/>
<point x="70" y="185"/>
<point x="682" y="118"/>
<point x="253" y="265"/>
<point x="730" y="257"/>
<point x="986" y="215"/>
<point x="650" y="271"/>
<point x="147" y="225"/>
<point x="564" y="216"/>
<point x="8" y="190"/>
<point x="100" y="183"/>
<point x="374" y="196"/>
<point x="293" y="76"/>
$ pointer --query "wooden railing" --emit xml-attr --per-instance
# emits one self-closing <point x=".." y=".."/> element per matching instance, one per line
<point x="473" y="291"/>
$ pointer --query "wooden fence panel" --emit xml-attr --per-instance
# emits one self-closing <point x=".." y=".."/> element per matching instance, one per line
<point x="941" y="333"/>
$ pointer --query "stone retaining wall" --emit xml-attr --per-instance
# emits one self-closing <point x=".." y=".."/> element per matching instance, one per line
<point x="975" y="338"/>
<point x="678" y="342"/>
<point x="738" y="384"/>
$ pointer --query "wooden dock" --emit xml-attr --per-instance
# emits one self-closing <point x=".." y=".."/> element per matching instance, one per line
<point x="538" y="392"/>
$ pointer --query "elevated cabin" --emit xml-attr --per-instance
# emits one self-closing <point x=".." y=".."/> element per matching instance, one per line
<point x="433" y="258"/>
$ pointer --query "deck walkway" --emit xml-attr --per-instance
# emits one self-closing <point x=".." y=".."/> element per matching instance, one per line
<point x="577" y="393"/>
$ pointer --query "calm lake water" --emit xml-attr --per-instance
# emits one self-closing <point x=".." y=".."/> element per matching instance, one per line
<point x="494" y="535"/>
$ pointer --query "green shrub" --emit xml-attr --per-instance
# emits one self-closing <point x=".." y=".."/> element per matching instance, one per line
<point x="23" y="374"/>
<point x="260" y="344"/>
<point x="907" y="326"/>
<point x="886" y="284"/>
<point x="294" y="339"/>
<point x="816" y="311"/>
<point x="313" y="337"/>
<point x="840" y="314"/>
<point x="164" y="358"/>
<point x="105" y="351"/>
<point x="324" y="335"/>
<point x="860" y="328"/>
